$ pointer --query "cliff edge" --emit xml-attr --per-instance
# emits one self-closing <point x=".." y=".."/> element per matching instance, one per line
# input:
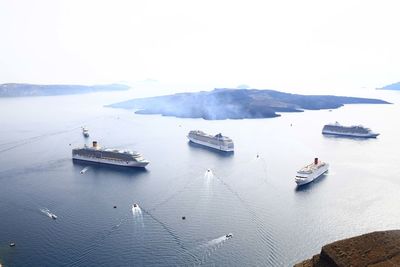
<point x="376" y="249"/>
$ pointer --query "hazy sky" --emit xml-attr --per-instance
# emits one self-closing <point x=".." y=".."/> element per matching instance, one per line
<point x="284" y="44"/>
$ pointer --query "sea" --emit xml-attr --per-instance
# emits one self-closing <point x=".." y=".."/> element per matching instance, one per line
<point x="189" y="198"/>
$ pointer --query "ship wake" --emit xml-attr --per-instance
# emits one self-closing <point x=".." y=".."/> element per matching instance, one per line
<point x="206" y="250"/>
<point x="48" y="213"/>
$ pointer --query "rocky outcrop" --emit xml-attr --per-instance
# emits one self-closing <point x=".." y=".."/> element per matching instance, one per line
<point x="376" y="249"/>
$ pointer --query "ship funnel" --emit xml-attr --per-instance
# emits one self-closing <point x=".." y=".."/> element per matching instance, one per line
<point x="95" y="144"/>
<point x="315" y="161"/>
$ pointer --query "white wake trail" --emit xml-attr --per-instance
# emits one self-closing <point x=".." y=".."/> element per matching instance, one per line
<point x="48" y="213"/>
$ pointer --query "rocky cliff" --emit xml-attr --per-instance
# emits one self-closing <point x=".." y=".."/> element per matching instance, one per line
<point x="376" y="249"/>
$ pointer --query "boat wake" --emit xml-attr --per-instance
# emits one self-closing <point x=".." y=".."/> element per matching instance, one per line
<point x="137" y="215"/>
<point x="101" y="237"/>
<point x="48" y="213"/>
<point x="136" y="210"/>
<point x="22" y="142"/>
<point x="265" y="234"/>
<point x="174" y="236"/>
<point x="218" y="241"/>
<point x="206" y="250"/>
<point x="178" y="192"/>
<point x="209" y="174"/>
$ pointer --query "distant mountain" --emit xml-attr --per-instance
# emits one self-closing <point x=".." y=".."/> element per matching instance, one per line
<point x="393" y="86"/>
<point x="225" y="103"/>
<point x="24" y="89"/>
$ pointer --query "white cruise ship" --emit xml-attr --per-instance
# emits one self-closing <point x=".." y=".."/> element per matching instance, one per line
<point x="109" y="156"/>
<point x="353" y="131"/>
<point x="218" y="141"/>
<point x="311" y="172"/>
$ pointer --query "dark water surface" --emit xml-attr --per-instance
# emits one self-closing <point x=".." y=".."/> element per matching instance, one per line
<point x="255" y="198"/>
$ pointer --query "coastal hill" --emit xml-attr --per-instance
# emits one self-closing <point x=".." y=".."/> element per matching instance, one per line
<point x="225" y="103"/>
<point x="393" y="86"/>
<point x="24" y="89"/>
<point x="376" y="249"/>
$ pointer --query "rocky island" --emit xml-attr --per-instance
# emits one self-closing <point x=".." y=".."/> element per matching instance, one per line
<point x="24" y="89"/>
<point x="376" y="249"/>
<point x="228" y="103"/>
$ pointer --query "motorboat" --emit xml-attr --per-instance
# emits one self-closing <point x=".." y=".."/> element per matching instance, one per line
<point x="85" y="132"/>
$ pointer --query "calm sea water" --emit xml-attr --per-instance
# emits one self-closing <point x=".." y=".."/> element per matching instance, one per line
<point x="255" y="198"/>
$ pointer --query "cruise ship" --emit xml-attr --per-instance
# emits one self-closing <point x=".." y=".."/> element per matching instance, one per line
<point x="218" y="141"/>
<point x="109" y="156"/>
<point x="311" y="172"/>
<point x="353" y="131"/>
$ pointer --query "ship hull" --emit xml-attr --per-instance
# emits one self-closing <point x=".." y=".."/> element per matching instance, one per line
<point x="371" y="135"/>
<point x="207" y="144"/>
<point x="133" y="164"/>
<point x="305" y="179"/>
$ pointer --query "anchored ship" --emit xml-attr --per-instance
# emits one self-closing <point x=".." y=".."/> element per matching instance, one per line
<point x="217" y="141"/>
<point x="111" y="156"/>
<point x="311" y="172"/>
<point x="354" y="131"/>
<point x="85" y="132"/>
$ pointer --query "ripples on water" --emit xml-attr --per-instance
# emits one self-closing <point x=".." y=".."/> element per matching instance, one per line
<point x="250" y="193"/>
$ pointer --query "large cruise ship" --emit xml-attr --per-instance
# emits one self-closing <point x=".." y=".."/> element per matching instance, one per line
<point x="311" y="172"/>
<point x="218" y="141"/>
<point x="109" y="156"/>
<point x="354" y="131"/>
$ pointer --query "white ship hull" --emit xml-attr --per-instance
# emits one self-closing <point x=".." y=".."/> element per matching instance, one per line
<point x="369" y="135"/>
<point x="204" y="143"/>
<point x="140" y="164"/>
<point x="302" y="178"/>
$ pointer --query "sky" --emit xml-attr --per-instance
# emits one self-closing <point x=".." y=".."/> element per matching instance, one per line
<point x="285" y="45"/>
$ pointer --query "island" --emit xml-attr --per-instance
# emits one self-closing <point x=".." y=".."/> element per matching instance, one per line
<point x="25" y="89"/>
<point x="376" y="249"/>
<point x="225" y="103"/>
<point x="393" y="86"/>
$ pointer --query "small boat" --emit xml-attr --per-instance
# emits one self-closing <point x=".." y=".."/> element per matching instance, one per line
<point x="135" y="205"/>
<point x="53" y="216"/>
<point x="12" y="244"/>
<point x="208" y="170"/>
<point x="85" y="132"/>
<point x="229" y="235"/>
